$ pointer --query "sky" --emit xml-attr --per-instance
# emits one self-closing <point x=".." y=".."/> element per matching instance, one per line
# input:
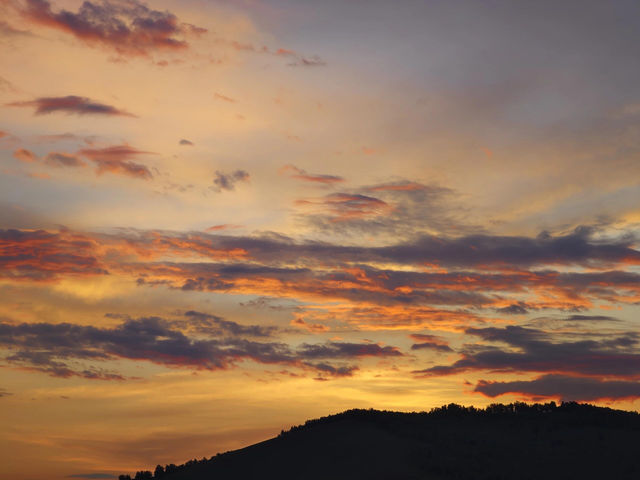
<point x="221" y="218"/>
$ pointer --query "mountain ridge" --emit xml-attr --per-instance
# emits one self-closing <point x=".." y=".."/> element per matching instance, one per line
<point x="514" y="441"/>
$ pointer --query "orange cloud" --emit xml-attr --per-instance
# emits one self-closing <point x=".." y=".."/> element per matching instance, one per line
<point x="224" y="226"/>
<point x="25" y="155"/>
<point x="117" y="159"/>
<point x="309" y="327"/>
<point x="375" y="297"/>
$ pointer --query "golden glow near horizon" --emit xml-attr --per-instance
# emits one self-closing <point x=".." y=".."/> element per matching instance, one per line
<point x="219" y="219"/>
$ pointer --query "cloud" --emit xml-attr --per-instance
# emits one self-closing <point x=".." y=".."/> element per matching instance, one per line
<point x="127" y="27"/>
<point x="429" y="342"/>
<point x="117" y="159"/>
<point x="47" y="362"/>
<point x="214" y="325"/>
<point x="591" y="318"/>
<point x="4" y="393"/>
<point x="56" y="349"/>
<point x="313" y="61"/>
<point x="61" y="137"/>
<point x="431" y="346"/>
<point x="519" y="308"/>
<point x="227" y="181"/>
<point x="342" y="207"/>
<point x="399" y="316"/>
<point x="576" y="248"/>
<point x="305" y="283"/>
<point x="7" y="30"/>
<point x="7" y="86"/>
<point x="332" y="370"/>
<point x="340" y="287"/>
<point x="49" y="347"/>
<point x="466" y="252"/>
<point x="56" y="159"/>
<point x="71" y="104"/>
<point x="224" y="98"/>
<point x="278" y="266"/>
<point x="310" y="327"/>
<point x="114" y="159"/>
<point x="533" y="350"/>
<point x="346" y="350"/>
<point x="186" y="142"/>
<point x="391" y="287"/>
<point x="404" y="209"/>
<point x="223" y="226"/>
<point x="299" y="174"/>
<point x="42" y="256"/>
<point x="25" y="155"/>
<point x="295" y="59"/>
<point x="404" y="186"/>
<point x="298" y="60"/>
<point x="563" y="387"/>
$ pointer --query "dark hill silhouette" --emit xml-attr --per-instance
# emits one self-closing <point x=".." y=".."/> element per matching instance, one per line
<point x="516" y="441"/>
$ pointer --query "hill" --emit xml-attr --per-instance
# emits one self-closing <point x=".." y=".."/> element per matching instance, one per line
<point x="516" y="441"/>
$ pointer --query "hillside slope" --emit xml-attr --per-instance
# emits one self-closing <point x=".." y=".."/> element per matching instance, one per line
<point x="517" y="441"/>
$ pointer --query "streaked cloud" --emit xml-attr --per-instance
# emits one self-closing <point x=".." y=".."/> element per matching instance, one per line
<point x="300" y="174"/>
<point x="57" y="159"/>
<point x="224" y="98"/>
<point x="531" y="350"/>
<point x="563" y="387"/>
<point x="279" y="266"/>
<point x="117" y="159"/>
<point x="71" y="104"/>
<point x="54" y="348"/>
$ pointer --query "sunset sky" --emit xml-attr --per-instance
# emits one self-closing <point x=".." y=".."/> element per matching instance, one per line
<point x="221" y="218"/>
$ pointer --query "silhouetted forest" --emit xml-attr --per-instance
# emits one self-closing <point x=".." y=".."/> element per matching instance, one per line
<point x="515" y="441"/>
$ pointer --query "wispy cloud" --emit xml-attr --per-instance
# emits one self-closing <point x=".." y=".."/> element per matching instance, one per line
<point x="300" y="174"/>
<point x="224" y="98"/>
